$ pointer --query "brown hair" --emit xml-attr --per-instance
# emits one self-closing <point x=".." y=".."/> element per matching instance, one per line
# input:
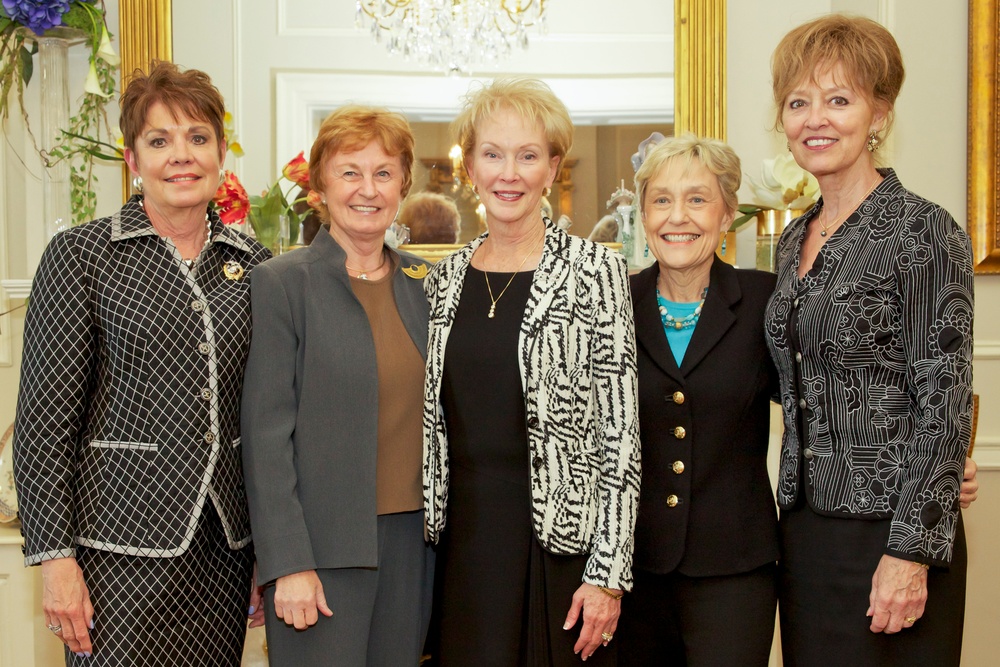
<point x="718" y="157"/>
<point x="866" y="51"/>
<point x="531" y="99"/>
<point x="431" y="217"/>
<point x="190" y="92"/>
<point x="351" y="128"/>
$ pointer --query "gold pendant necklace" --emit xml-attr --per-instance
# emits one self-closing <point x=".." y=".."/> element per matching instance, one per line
<point x="826" y="227"/>
<point x="493" y="302"/>
<point x="363" y="274"/>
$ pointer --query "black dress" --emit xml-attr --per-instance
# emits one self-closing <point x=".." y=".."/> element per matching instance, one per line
<point x="502" y="599"/>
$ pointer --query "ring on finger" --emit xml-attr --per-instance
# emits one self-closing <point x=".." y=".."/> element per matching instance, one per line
<point x="910" y="619"/>
<point x="54" y="628"/>
<point x="606" y="636"/>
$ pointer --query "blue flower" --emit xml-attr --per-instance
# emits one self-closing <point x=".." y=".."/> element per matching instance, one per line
<point x="39" y="15"/>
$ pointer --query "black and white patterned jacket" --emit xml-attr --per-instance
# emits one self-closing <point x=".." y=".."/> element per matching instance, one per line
<point x="576" y="353"/>
<point x="128" y="411"/>
<point x="882" y="370"/>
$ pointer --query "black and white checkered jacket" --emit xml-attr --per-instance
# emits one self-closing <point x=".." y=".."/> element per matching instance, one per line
<point x="578" y="374"/>
<point x="128" y="411"/>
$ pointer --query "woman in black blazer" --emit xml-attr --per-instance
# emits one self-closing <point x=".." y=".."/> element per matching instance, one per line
<point x="706" y="535"/>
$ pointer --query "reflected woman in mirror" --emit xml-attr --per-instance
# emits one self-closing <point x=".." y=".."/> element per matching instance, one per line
<point x="127" y="445"/>
<point x="530" y="427"/>
<point x="331" y="414"/>
<point x="871" y="331"/>
<point x="706" y="538"/>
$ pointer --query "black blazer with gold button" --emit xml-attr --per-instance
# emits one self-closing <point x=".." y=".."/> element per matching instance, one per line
<point x="705" y="506"/>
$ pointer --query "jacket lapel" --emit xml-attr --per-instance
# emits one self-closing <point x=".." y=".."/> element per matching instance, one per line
<point x="716" y="315"/>
<point x="649" y="326"/>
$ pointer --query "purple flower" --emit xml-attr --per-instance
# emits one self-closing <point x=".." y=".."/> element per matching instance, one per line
<point x="39" y="15"/>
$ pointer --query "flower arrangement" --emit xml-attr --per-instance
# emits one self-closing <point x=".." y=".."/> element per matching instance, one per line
<point x="271" y="214"/>
<point x="783" y="185"/>
<point x="19" y="20"/>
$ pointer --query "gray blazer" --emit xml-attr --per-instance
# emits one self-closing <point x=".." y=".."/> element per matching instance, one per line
<point x="310" y="410"/>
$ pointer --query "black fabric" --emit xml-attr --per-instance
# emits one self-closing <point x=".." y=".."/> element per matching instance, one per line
<point x="502" y="599"/>
<point x="672" y="619"/>
<point x="825" y="580"/>
<point x="186" y="610"/>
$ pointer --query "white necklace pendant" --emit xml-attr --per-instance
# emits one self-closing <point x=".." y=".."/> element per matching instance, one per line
<point x="823" y="233"/>
<point x="493" y="310"/>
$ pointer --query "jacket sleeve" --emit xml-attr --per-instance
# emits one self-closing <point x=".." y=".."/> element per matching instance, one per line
<point x="936" y="299"/>
<point x="268" y="415"/>
<point x="616" y="391"/>
<point x="57" y="370"/>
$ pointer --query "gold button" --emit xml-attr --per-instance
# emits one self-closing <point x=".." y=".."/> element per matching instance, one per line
<point x="210" y="437"/>
<point x="672" y="500"/>
<point x="677" y="467"/>
<point x="206" y="394"/>
<point x="678" y="397"/>
<point x="679" y="432"/>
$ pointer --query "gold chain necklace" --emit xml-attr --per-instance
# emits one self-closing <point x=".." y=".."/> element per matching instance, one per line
<point x="363" y="275"/>
<point x="493" y="302"/>
<point x="826" y="227"/>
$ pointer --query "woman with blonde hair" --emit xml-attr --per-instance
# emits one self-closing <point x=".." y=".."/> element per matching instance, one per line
<point x="870" y="327"/>
<point x="530" y="428"/>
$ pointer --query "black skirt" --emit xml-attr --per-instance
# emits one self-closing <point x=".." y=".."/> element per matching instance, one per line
<point x="825" y="579"/>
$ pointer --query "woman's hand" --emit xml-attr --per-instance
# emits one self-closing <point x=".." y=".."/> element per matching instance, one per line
<point x="970" y="485"/>
<point x="600" y="617"/>
<point x="256" y="609"/>
<point x="899" y="592"/>
<point x="297" y="597"/>
<point x="66" y="604"/>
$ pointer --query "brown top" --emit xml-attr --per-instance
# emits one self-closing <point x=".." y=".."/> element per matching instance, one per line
<point x="398" y="481"/>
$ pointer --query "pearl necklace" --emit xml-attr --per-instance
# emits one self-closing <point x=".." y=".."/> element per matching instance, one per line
<point x="208" y="238"/>
<point x="678" y="323"/>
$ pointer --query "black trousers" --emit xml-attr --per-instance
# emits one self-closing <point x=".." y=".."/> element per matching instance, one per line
<point x="672" y="619"/>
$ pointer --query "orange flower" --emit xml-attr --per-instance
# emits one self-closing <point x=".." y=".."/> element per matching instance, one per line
<point x="315" y="200"/>
<point x="231" y="198"/>
<point x="297" y="170"/>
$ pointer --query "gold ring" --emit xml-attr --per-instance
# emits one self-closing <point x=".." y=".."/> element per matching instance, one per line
<point x="910" y="619"/>
<point x="606" y="636"/>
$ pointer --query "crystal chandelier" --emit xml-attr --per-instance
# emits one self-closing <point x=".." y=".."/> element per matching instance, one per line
<point x="452" y="35"/>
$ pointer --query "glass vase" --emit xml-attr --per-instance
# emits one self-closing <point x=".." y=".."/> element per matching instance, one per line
<point x="770" y="223"/>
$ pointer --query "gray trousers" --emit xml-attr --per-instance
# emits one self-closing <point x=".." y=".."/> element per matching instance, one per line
<point x="380" y="615"/>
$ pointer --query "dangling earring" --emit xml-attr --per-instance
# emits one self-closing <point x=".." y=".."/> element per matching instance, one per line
<point x="222" y="175"/>
<point x="475" y="189"/>
<point x="137" y="184"/>
<point x="645" y="253"/>
<point x="873" y="142"/>
<point x="723" y="245"/>
<point x="788" y="145"/>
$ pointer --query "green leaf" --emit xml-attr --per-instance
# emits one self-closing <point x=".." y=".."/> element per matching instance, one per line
<point x="79" y="18"/>
<point x="27" y="65"/>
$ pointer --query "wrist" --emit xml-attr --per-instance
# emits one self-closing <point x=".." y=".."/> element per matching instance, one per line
<point x="612" y="593"/>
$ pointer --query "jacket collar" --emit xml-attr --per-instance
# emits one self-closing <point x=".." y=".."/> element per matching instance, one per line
<point x="131" y="222"/>
<point x="716" y="319"/>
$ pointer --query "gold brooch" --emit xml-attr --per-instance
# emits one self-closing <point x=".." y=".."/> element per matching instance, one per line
<point x="416" y="271"/>
<point x="232" y="270"/>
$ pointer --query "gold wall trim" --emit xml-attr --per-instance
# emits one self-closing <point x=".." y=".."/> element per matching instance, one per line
<point x="700" y="67"/>
<point x="984" y="135"/>
<point x="145" y="33"/>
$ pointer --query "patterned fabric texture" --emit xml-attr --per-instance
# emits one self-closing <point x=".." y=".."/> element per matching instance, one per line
<point x="578" y="373"/>
<point x="880" y="366"/>
<point x="159" y="612"/>
<point x="128" y="412"/>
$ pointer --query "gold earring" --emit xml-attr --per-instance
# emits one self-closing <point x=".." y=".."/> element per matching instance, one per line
<point x="137" y="184"/>
<point x="546" y="192"/>
<point x="873" y="142"/>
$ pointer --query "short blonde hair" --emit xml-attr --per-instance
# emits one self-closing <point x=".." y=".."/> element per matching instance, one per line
<point x="351" y="128"/>
<point x="865" y="50"/>
<point x="531" y="99"/>
<point x="715" y="155"/>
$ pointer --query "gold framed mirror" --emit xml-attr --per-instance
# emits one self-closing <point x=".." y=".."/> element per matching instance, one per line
<point x="984" y="138"/>
<point x="146" y="33"/>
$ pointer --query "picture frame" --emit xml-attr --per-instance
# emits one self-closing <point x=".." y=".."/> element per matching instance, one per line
<point x="983" y="153"/>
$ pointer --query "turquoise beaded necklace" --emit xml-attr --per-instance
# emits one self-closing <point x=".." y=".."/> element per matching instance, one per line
<point x="679" y="323"/>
